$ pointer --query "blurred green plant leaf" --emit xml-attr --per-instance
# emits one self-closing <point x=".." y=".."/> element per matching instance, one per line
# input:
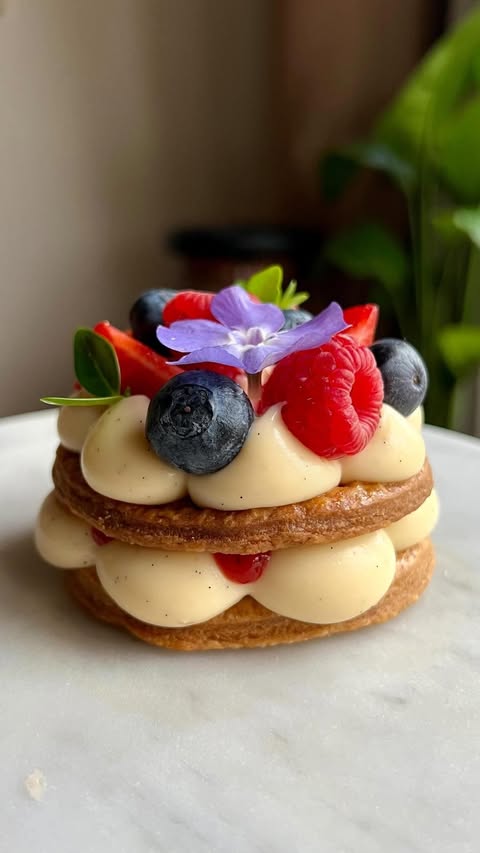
<point x="456" y="152"/>
<point x="476" y="68"/>
<point x="382" y="158"/>
<point x="432" y="91"/>
<point x="96" y="364"/>
<point x="338" y="168"/>
<point x="463" y="220"/>
<point x="460" y="348"/>
<point x="369" y="251"/>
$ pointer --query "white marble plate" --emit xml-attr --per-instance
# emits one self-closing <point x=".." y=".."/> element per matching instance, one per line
<point x="364" y="742"/>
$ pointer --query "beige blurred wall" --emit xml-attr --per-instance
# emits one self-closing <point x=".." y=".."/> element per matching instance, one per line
<point x="118" y="120"/>
<point x="122" y="118"/>
<point x="341" y="62"/>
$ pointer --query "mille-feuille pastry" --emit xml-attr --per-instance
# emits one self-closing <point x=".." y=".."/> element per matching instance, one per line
<point x="268" y="486"/>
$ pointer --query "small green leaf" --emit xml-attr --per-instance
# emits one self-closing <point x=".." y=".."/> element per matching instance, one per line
<point x="267" y="284"/>
<point x="369" y="251"/>
<point x="463" y="220"/>
<point x="460" y="348"/>
<point x="81" y="401"/>
<point x="96" y="364"/>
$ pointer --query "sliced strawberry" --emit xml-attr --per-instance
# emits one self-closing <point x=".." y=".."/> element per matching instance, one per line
<point x="363" y="319"/>
<point x="188" y="305"/>
<point x="142" y="370"/>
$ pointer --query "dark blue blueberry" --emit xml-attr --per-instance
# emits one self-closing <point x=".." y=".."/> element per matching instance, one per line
<point x="295" y="317"/>
<point x="405" y="377"/>
<point x="199" y="421"/>
<point x="146" y="314"/>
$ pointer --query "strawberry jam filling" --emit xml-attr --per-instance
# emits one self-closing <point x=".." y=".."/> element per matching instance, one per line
<point x="243" y="568"/>
<point x="99" y="537"/>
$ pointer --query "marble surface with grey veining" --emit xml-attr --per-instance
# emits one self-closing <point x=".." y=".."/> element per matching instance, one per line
<point x="363" y="743"/>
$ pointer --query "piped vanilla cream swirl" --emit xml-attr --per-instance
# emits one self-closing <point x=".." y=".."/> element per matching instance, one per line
<point x="62" y="539"/>
<point x="272" y="469"/>
<point x="396" y="452"/>
<point x="74" y="422"/>
<point x="118" y="462"/>
<point x="313" y="583"/>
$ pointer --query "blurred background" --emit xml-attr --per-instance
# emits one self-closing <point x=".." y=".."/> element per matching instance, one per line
<point x="155" y="143"/>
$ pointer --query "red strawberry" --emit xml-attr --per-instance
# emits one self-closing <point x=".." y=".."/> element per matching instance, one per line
<point x="188" y="305"/>
<point x="243" y="568"/>
<point x="363" y="319"/>
<point x="333" y="395"/>
<point x="142" y="370"/>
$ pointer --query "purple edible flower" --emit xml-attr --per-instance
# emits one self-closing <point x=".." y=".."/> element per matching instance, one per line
<point x="247" y="334"/>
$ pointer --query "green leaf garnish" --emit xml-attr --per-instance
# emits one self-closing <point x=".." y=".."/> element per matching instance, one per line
<point x="96" y="364"/>
<point x="267" y="286"/>
<point x="81" y="401"/>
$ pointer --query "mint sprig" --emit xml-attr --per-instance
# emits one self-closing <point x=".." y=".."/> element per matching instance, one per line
<point x="290" y="298"/>
<point x="97" y="370"/>
<point x="266" y="285"/>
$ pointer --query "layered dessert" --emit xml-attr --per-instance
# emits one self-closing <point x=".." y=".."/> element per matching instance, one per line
<point x="235" y="472"/>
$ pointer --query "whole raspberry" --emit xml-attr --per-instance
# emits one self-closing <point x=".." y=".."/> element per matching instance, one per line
<point x="333" y="396"/>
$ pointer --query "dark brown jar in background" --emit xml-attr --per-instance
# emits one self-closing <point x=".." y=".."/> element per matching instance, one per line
<point x="213" y="258"/>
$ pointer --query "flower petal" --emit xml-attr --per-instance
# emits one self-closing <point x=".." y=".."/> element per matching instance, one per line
<point x="258" y="357"/>
<point x="207" y="341"/>
<point x="219" y="355"/>
<point x="320" y="330"/>
<point x="315" y="332"/>
<point x="234" y="308"/>
<point x="189" y="335"/>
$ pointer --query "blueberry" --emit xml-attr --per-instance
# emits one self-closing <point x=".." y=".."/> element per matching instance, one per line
<point x="295" y="317"/>
<point x="146" y="315"/>
<point x="199" y="421"/>
<point x="405" y="377"/>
